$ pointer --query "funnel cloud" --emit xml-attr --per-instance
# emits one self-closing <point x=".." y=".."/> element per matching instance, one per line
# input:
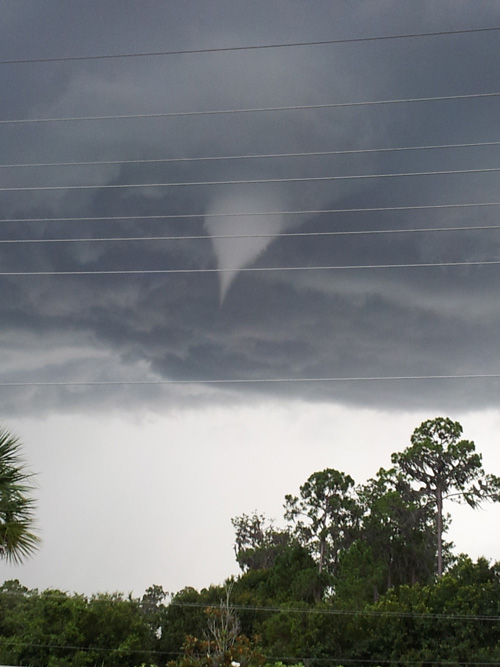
<point x="234" y="254"/>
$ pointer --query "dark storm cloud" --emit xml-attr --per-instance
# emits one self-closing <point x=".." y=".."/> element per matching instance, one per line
<point x="343" y="323"/>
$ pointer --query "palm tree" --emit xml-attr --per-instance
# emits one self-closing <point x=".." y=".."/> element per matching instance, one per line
<point x="17" y="541"/>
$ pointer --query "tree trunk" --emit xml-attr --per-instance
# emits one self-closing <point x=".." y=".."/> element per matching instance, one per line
<point x="321" y="555"/>
<point x="439" y="530"/>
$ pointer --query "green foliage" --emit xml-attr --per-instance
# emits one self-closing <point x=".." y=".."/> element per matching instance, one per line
<point x="444" y="466"/>
<point x="302" y="633"/>
<point x="361" y="575"/>
<point x="203" y="653"/>
<point x="153" y="609"/>
<point x="439" y="461"/>
<point x="398" y="525"/>
<point x="223" y="644"/>
<point x="53" y="629"/>
<point x="185" y="616"/>
<point x="17" y="539"/>
<point x="375" y="549"/>
<point x="326" y="515"/>
<point x="293" y="577"/>
<point x="257" y="545"/>
<point x="443" y="622"/>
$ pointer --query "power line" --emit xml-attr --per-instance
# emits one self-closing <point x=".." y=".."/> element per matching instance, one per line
<point x="152" y="54"/>
<point x="339" y="660"/>
<point x="249" y="269"/>
<point x="130" y="650"/>
<point x="262" y="156"/>
<point x="317" y="611"/>
<point x="255" y="181"/>
<point x="237" y="214"/>
<point x="210" y="237"/>
<point x="303" y="611"/>
<point x="292" y="659"/>
<point x="345" y="612"/>
<point x="218" y="112"/>
<point x="252" y="381"/>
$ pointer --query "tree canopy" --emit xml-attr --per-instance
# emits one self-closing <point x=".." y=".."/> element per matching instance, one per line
<point x="326" y="515"/>
<point x="445" y="466"/>
<point x="17" y="522"/>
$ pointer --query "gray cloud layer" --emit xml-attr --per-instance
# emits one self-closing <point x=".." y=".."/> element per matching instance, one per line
<point x="383" y="322"/>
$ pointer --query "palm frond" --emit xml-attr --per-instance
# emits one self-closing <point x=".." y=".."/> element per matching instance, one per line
<point x="17" y="519"/>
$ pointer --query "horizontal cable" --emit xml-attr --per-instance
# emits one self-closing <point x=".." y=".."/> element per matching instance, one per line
<point x="249" y="269"/>
<point x="320" y="611"/>
<point x="253" y="381"/>
<point x="128" y="651"/>
<point x="316" y="611"/>
<point x="290" y="659"/>
<point x="238" y="214"/>
<point x="251" y="181"/>
<point x="335" y="661"/>
<point x="345" y="612"/>
<point x="218" y="112"/>
<point x="262" y="156"/>
<point x="223" y="49"/>
<point x="210" y="237"/>
<point x="303" y="611"/>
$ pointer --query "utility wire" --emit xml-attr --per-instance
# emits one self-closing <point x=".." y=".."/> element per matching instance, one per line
<point x="347" y="612"/>
<point x="291" y="659"/>
<point x="58" y="647"/>
<point x="237" y="214"/>
<point x="321" y="611"/>
<point x="371" y="661"/>
<point x="270" y="608"/>
<point x="250" y="269"/>
<point x="256" y="181"/>
<point x="152" y="54"/>
<point x="210" y="237"/>
<point x="252" y="381"/>
<point x="218" y="112"/>
<point x="262" y="156"/>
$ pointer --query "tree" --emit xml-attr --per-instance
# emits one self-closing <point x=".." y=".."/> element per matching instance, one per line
<point x="153" y="609"/>
<point x="57" y="629"/>
<point x="398" y="526"/>
<point x="223" y="644"/>
<point x="331" y="513"/>
<point x="257" y="545"/>
<point x="17" y="539"/>
<point x="445" y="467"/>
<point x="224" y="626"/>
<point x="293" y="577"/>
<point x="450" y="621"/>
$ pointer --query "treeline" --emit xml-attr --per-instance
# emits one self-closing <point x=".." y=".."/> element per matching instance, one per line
<point x="454" y="621"/>
<point x="359" y="575"/>
<point x="52" y="628"/>
<point x="366" y="539"/>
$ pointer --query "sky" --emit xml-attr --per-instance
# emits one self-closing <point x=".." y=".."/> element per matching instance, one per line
<point x="308" y="317"/>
